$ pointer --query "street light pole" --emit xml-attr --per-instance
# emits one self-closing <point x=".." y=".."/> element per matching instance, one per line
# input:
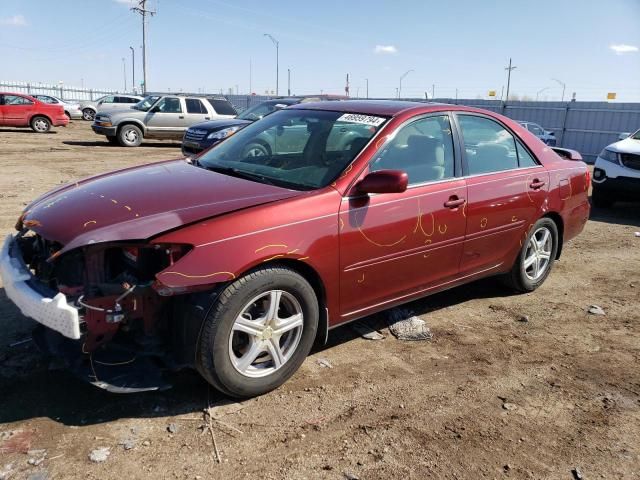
<point x="133" y="68"/>
<point x="401" y="77"/>
<point x="540" y="91"/>
<point x="563" y="87"/>
<point x="288" y="81"/>
<point x="367" y="80"/>
<point x="124" y="73"/>
<point x="277" y="44"/>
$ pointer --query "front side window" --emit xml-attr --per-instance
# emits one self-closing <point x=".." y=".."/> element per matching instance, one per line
<point x="294" y="148"/>
<point x="195" y="106"/>
<point x="16" y="100"/>
<point x="108" y="99"/>
<point x="423" y="149"/>
<point x="146" y="103"/>
<point x="489" y="147"/>
<point x="168" y="105"/>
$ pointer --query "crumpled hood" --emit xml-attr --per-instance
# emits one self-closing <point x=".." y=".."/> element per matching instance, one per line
<point x="141" y="202"/>
<point x="628" y="145"/>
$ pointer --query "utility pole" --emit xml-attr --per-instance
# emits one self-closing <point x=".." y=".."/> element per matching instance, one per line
<point x="346" y="87"/>
<point x="142" y="10"/>
<point x="433" y="90"/>
<point x="289" y="82"/>
<point x="367" y="80"/>
<point x="250" y="89"/>
<point x="124" y="73"/>
<point x="509" y="68"/>
<point x="456" y="96"/>
<point x="133" y="69"/>
<point x="277" y="45"/>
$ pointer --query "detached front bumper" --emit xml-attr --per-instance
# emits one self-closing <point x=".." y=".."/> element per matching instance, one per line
<point x="54" y="313"/>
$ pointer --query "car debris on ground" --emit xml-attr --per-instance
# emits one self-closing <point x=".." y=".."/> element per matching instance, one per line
<point x="596" y="310"/>
<point x="404" y="325"/>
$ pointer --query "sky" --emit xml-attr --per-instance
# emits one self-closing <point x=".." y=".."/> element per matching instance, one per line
<point x="591" y="46"/>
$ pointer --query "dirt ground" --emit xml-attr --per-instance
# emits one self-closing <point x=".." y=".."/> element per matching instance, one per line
<point x="513" y="386"/>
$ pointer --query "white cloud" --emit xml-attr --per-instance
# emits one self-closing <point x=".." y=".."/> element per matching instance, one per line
<point x="127" y="2"/>
<point x="14" y="21"/>
<point x="385" y="50"/>
<point x="621" y="48"/>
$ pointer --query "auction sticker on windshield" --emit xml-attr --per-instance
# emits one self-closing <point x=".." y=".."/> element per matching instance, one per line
<point x="361" y="119"/>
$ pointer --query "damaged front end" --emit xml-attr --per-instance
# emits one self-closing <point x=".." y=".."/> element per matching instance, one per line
<point x="101" y="308"/>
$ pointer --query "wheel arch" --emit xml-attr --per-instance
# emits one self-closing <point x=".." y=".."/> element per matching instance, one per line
<point x="37" y="114"/>
<point x="137" y="123"/>
<point x="557" y="219"/>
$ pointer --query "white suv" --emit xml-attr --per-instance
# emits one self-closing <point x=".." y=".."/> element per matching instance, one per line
<point x="616" y="175"/>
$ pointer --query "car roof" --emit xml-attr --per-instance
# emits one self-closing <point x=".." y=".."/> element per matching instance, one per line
<point x="369" y="107"/>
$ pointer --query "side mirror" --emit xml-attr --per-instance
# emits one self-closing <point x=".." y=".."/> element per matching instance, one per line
<point x="155" y="109"/>
<point x="567" y="154"/>
<point x="384" y="181"/>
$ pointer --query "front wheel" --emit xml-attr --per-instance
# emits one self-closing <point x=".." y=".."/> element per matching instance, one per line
<point x="88" y="114"/>
<point x="40" y="124"/>
<point x="259" y="331"/>
<point x="130" y="136"/>
<point x="535" y="260"/>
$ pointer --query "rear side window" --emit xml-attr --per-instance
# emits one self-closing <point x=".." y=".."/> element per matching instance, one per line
<point x="46" y="99"/>
<point x="131" y="100"/>
<point x="195" y="106"/>
<point x="222" y="107"/>
<point x="524" y="157"/>
<point x="16" y="100"/>
<point x="489" y="147"/>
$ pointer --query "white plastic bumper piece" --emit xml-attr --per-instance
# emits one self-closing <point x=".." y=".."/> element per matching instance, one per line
<point x="54" y="313"/>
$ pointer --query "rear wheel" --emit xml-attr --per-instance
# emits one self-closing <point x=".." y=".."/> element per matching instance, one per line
<point x="40" y="124"/>
<point x="129" y="136"/>
<point x="88" y="114"/>
<point x="601" y="199"/>
<point x="258" y="332"/>
<point x="535" y="260"/>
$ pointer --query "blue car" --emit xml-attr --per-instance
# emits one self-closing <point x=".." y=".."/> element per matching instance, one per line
<point x="546" y="136"/>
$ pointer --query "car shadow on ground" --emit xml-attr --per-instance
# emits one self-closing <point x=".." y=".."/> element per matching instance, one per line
<point x="620" y="213"/>
<point x="32" y="386"/>
<point x="26" y="130"/>
<point x="107" y="144"/>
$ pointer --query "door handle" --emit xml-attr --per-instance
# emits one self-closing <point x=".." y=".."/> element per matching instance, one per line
<point x="536" y="184"/>
<point x="454" y="202"/>
<point x="180" y="116"/>
<point x="207" y="118"/>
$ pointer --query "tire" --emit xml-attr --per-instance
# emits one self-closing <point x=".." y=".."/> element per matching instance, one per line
<point x="113" y="140"/>
<point x="236" y="357"/>
<point x="256" y="149"/>
<point x="88" y="114"/>
<point x="130" y="136"/>
<point x="600" y="199"/>
<point x="525" y="278"/>
<point x="40" y="124"/>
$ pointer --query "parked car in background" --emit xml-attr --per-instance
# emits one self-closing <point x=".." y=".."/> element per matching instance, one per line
<point x="71" y="109"/>
<point x="203" y="135"/>
<point x="160" y="117"/>
<point x="19" y="110"/>
<point x="616" y="174"/>
<point x="547" y="136"/>
<point x="235" y="264"/>
<point x="106" y="103"/>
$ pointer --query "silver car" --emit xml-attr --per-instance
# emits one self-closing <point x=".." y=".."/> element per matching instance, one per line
<point x="160" y="117"/>
<point x="71" y="109"/>
<point x="108" y="102"/>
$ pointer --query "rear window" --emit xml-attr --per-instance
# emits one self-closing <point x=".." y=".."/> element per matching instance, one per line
<point x="222" y="107"/>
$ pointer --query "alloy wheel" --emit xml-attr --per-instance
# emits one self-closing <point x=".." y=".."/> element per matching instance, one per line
<point x="537" y="257"/>
<point x="266" y="334"/>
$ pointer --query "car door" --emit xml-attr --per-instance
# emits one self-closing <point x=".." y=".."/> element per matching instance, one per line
<point x="17" y="110"/>
<point x="167" y="118"/>
<point x="395" y="245"/>
<point x="506" y="190"/>
<point x="196" y="111"/>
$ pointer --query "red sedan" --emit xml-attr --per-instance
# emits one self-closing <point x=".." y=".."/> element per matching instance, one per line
<point x="235" y="262"/>
<point x="18" y="110"/>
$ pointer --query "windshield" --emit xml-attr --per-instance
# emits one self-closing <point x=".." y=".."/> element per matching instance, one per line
<point x="258" y="111"/>
<point x="636" y="136"/>
<point x="146" y="103"/>
<point x="299" y="149"/>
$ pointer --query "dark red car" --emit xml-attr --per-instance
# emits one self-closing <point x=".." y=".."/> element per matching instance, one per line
<point x="18" y="110"/>
<point x="235" y="263"/>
